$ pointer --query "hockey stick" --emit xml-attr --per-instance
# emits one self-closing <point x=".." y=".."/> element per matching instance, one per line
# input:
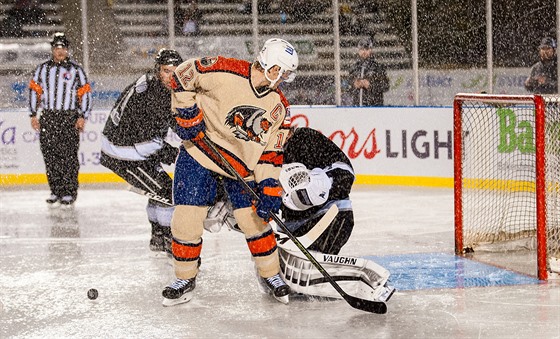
<point x="309" y="238"/>
<point x="150" y="195"/>
<point x="371" y="306"/>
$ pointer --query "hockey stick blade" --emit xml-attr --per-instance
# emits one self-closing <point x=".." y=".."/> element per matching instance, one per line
<point x="378" y="307"/>
<point x="149" y="195"/>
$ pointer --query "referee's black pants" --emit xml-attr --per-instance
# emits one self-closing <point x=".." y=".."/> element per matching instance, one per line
<point x="59" y="142"/>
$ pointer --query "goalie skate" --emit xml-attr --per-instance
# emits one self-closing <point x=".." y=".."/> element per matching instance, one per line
<point x="386" y="292"/>
<point x="276" y="287"/>
<point x="181" y="291"/>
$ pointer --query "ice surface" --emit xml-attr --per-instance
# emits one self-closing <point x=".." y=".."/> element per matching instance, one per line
<point x="49" y="259"/>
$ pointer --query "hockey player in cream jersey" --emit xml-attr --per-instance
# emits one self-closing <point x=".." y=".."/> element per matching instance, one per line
<point x="317" y="178"/>
<point x="238" y="106"/>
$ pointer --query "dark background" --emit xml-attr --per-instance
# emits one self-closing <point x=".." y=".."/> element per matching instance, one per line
<point x="452" y="33"/>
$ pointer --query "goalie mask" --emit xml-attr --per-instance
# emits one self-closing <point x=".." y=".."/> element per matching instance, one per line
<point x="303" y="188"/>
<point x="281" y="53"/>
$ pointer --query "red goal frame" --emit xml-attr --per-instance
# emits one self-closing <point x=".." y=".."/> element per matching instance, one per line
<point x="539" y="104"/>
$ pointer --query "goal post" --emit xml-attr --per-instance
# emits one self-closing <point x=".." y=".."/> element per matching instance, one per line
<point x="507" y="176"/>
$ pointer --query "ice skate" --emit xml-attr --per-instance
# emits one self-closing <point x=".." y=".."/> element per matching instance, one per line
<point x="157" y="241"/>
<point x="53" y="201"/>
<point x="67" y="201"/>
<point x="181" y="291"/>
<point x="276" y="286"/>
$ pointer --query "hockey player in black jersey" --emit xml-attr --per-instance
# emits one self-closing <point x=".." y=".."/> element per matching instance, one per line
<point x="329" y="177"/>
<point x="133" y="143"/>
<point x="317" y="178"/>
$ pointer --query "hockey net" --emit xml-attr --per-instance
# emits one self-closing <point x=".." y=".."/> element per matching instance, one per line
<point x="507" y="179"/>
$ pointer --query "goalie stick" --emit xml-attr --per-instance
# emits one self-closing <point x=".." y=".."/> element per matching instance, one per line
<point x="371" y="306"/>
<point x="309" y="238"/>
<point x="150" y="195"/>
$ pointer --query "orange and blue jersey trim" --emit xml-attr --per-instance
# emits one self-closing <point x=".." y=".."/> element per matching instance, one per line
<point x="262" y="245"/>
<point x="273" y="158"/>
<point x="234" y="161"/>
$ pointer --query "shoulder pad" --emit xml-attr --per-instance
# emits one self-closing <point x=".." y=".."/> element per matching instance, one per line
<point x="221" y="64"/>
<point x="141" y="84"/>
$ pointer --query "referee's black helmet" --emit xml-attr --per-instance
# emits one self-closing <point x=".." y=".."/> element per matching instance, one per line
<point x="59" y="40"/>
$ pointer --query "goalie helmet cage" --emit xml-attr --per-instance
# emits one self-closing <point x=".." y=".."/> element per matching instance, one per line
<point x="507" y="176"/>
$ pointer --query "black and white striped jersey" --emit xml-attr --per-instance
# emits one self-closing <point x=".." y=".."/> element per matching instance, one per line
<point x="60" y="87"/>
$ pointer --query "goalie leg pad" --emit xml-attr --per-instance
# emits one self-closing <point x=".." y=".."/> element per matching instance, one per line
<point x="357" y="276"/>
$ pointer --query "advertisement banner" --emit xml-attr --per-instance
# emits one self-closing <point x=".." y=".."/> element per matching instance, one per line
<point x="387" y="141"/>
<point x="404" y="144"/>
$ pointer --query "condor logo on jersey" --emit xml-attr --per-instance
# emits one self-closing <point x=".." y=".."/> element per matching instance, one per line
<point x="248" y="123"/>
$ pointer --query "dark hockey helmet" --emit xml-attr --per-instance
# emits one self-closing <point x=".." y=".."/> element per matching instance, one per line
<point x="59" y="40"/>
<point x="168" y="57"/>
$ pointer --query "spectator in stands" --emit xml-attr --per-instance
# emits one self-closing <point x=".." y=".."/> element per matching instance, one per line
<point x="24" y="12"/>
<point x="544" y="74"/>
<point x="186" y="17"/>
<point x="191" y="18"/>
<point x="263" y="7"/>
<point x="368" y="77"/>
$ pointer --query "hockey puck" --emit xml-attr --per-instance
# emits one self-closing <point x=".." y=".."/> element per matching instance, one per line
<point x="92" y="294"/>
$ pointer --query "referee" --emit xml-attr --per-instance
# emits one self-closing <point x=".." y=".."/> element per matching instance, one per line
<point x="60" y="103"/>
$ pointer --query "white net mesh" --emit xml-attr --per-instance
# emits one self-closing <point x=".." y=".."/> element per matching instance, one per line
<point x="499" y="170"/>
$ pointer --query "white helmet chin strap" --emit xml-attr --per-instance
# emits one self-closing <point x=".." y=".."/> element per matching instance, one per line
<point x="272" y="82"/>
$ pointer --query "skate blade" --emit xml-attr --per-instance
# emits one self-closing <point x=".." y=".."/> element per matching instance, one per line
<point x="54" y="205"/>
<point x="284" y="300"/>
<point x="183" y="299"/>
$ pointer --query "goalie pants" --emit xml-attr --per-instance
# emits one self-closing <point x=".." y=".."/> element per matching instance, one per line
<point x="335" y="235"/>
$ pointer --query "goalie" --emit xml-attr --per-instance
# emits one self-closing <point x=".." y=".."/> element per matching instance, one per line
<point x="317" y="178"/>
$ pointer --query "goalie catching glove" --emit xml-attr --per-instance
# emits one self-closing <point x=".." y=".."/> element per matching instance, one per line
<point x="304" y="188"/>
<point x="270" y="198"/>
<point x="190" y="122"/>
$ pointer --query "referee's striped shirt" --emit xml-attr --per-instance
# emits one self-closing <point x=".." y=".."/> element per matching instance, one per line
<point x="60" y="87"/>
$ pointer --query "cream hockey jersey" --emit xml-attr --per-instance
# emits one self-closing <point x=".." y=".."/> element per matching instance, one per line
<point x="248" y="125"/>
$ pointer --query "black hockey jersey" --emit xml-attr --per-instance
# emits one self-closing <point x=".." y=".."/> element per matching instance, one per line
<point x="139" y="121"/>
<point x="311" y="148"/>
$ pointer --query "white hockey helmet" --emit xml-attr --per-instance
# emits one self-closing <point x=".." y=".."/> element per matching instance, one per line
<point x="279" y="52"/>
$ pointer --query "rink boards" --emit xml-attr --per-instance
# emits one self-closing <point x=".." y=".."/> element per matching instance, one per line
<point x="410" y="146"/>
